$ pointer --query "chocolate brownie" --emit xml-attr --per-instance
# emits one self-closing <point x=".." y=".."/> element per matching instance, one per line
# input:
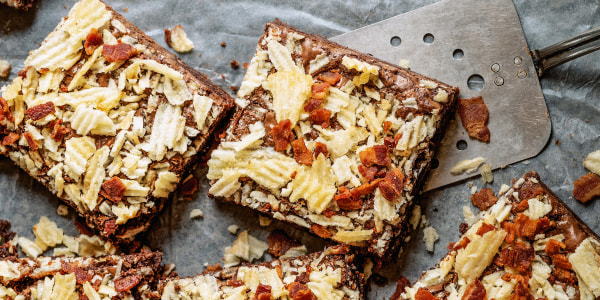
<point x="331" y="140"/>
<point x="18" y="4"/>
<point x="108" y="120"/>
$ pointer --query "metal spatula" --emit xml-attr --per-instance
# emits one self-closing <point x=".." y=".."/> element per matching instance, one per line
<point x="480" y="47"/>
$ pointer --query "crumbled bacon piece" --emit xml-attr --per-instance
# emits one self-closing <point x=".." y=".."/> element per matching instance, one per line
<point x="320" y="116"/>
<point x="263" y="292"/>
<point x="58" y="131"/>
<point x="390" y="142"/>
<point x="459" y="245"/>
<point x="23" y="72"/>
<point x="521" y="292"/>
<point x="279" y="243"/>
<point x="485" y="228"/>
<point x="113" y="189"/>
<point x="386" y="126"/>
<point x="474" y="115"/>
<point x="368" y="172"/>
<point x="312" y="104"/>
<point x="234" y="282"/>
<point x="330" y="77"/>
<point x="126" y="283"/>
<point x="213" y="268"/>
<point x="92" y="41"/>
<point x="475" y="291"/>
<point x="376" y="155"/>
<point x="118" y="52"/>
<point x="587" y="187"/>
<point x="109" y="227"/>
<point x="328" y="213"/>
<point x="346" y="201"/>
<point x="301" y="153"/>
<point x="521" y="207"/>
<point x="39" y="111"/>
<point x="524" y="227"/>
<point x="402" y="284"/>
<point x="392" y="185"/>
<point x="530" y="189"/>
<point x="554" y="246"/>
<point x="520" y="257"/>
<point x="81" y="276"/>
<point x="484" y="199"/>
<point x="10" y="139"/>
<point x="423" y="294"/>
<point x="366" y="188"/>
<point x="5" y="111"/>
<point x="321" y="148"/>
<point x="561" y="261"/>
<point x="282" y="134"/>
<point x="564" y="275"/>
<point x="320" y="231"/>
<point x="320" y="90"/>
<point x="30" y="141"/>
<point x="299" y="291"/>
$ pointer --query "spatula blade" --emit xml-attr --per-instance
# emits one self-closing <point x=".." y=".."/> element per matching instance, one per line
<point x="490" y="38"/>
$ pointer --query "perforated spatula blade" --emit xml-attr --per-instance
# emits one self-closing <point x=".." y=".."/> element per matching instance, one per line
<point x="478" y="46"/>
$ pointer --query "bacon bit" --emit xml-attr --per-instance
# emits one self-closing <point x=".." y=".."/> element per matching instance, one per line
<point x="346" y="201"/>
<point x="39" y="111"/>
<point x="320" y="90"/>
<point x="529" y="190"/>
<point x="401" y="285"/>
<point x="312" y="104"/>
<point x="521" y="293"/>
<point x="189" y="186"/>
<point x="484" y="199"/>
<point x="215" y="267"/>
<point x="473" y="115"/>
<point x="10" y="139"/>
<point x="390" y="142"/>
<point x="563" y="275"/>
<point x="328" y="213"/>
<point x="245" y="65"/>
<point x="293" y="175"/>
<point x="113" y="189"/>
<point x="58" y="131"/>
<point x="460" y="245"/>
<point x="282" y="134"/>
<point x="521" y="207"/>
<point x="511" y="230"/>
<point x="234" y="283"/>
<point x="485" y="228"/>
<point x="81" y="276"/>
<point x="387" y="125"/>
<point x="376" y="155"/>
<point x="301" y="153"/>
<point x="366" y="188"/>
<point x="126" y="283"/>
<point x="522" y="257"/>
<point x="586" y="187"/>
<point x="321" y="117"/>
<point x="92" y="41"/>
<point x="320" y="231"/>
<point x="368" y="172"/>
<point x="321" y="148"/>
<point x="299" y="291"/>
<point x="553" y="247"/>
<point x="392" y="185"/>
<point x="561" y="261"/>
<point x="279" y="243"/>
<point x="5" y="111"/>
<point x="23" y="72"/>
<point x="330" y="77"/>
<point x="263" y="292"/>
<point x="524" y="227"/>
<point x="423" y="294"/>
<point x="118" y="52"/>
<point x="109" y="227"/>
<point x="475" y="291"/>
<point x="32" y="145"/>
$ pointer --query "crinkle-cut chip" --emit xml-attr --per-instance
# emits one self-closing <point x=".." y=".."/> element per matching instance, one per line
<point x="29" y="247"/>
<point x="257" y="73"/>
<point x="428" y="84"/>
<point x="315" y="184"/>
<point x="361" y="66"/>
<point x="103" y="98"/>
<point x="9" y="270"/>
<point x="336" y="100"/>
<point x="281" y="57"/>
<point x="384" y="209"/>
<point x="47" y="234"/>
<point x="227" y="159"/>
<point x="60" y="50"/>
<point x="353" y="236"/>
<point x="496" y="287"/>
<point x="165" y="184"/>
<point x="176" y="91"/>
<point x="87" y="120"/>
<point x="59" y="182"/>
<point x="77" y="78"/>
<point x="179" y="40"/>
<point x="430" y="235"/>
<point x="124" y="212"/>
<point x="90" y="292"/>
<point x="317" y="63"/>
<point x="290" y="89"/>
<point x="339" y="142"/>
<point x="437" y="276"/>
<point x="257" y="132"/>
<point x="592" y="162"/>
<point x="271" y="173"/>
<point x="468" y="166"/>
<point x="413" y="133"/>
<point x="88" y="246"/>
<point x="537" y="209"/>
<point x="441" y="97"/>
<point x="77" y="152"/>
<point x="202" y="106"/>
<point x="342" y="169"/>
<point x="586" y="263"/>
<point x="94" y="176"/>
<point x="64" y="287"/>
<point x="151" y="65"/>
<point x="335" y="220"/>
<point x="373" y="123"/>
<point x="134" y="189"/>
<point x="323" y="290"/>
<point x="50" y="81"/>
<point x="227" y="184"/>
<point x="248" y="247"/>
<point x="479" y="253"/>
<point x="167" y="129"/>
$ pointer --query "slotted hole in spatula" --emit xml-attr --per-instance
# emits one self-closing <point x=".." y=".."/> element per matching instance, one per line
<point x="428" y="38"/>
<point x="395" y="41"/>
<point x="475" y="82"/>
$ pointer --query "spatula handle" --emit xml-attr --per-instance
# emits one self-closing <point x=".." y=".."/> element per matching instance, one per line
<point x="567" y="50"/>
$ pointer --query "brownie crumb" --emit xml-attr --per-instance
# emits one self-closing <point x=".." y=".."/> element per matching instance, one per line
<point x="223" y="44"/>
<point x="557" y="142"/>
<point x="125" y="9"/>
<point x="235" y="64"/>
<point x="234" y="88"/>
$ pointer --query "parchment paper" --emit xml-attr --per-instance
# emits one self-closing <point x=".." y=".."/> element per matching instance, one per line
<point x="572" y="93"/>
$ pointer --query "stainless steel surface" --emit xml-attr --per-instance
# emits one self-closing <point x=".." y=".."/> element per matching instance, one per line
<point x="572" y="92"/>
<point x="490" y="36"/>
<point x="572" y="48"/>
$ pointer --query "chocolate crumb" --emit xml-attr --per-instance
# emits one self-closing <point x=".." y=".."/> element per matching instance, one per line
<point x="235" y="64"/>
<point x="125" y="9"/>
<point x="223" y="44"/>
<point x="234" y="88"/>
